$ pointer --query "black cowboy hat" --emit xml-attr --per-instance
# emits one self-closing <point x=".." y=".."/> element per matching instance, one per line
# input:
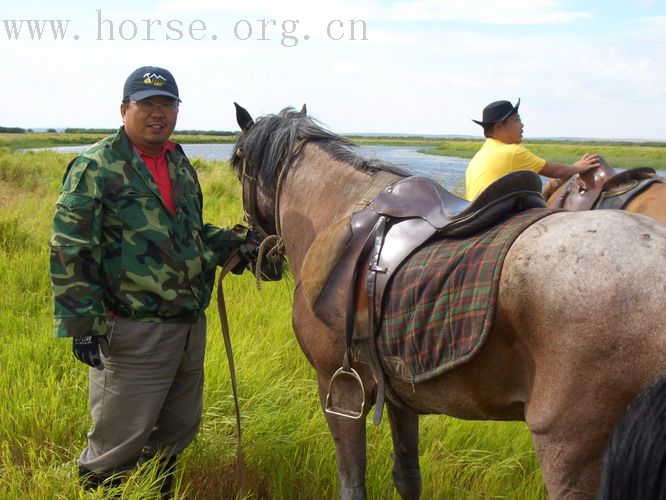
<point x="497" y="111"/>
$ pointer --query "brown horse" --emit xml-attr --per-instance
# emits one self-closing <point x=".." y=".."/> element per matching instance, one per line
<point x="638" y="190"/>
<point x="565" y="355"/>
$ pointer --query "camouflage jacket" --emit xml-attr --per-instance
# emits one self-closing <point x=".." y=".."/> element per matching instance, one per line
<point x="116" y="248"/>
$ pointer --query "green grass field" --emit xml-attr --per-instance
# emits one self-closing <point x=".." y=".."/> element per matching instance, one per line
<point x="618" y="154"/>
<point x="289" y="452"/>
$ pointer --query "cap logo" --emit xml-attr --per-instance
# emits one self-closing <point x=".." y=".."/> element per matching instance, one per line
<point x="154" y="80"/>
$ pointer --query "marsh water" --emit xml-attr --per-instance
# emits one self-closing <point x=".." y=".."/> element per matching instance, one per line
<point x="448" y="171"/>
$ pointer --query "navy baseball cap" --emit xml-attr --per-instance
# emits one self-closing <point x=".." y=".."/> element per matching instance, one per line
<point x="149" y="81"/>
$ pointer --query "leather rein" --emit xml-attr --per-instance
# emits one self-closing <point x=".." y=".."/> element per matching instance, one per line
<point x="276" y="251"/>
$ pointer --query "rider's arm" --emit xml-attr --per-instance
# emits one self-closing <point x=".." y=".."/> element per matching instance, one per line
<point x="562" y="171"/>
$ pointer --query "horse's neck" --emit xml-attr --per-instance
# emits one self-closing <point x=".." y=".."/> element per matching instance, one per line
<point x="318" y="191"/>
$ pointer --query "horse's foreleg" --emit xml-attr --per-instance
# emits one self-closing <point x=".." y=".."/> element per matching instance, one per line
<point x="405" y="434"/>
<point x="349" y="438"/>
<point x="325" y="349"/>
<point x="566" y="469"/>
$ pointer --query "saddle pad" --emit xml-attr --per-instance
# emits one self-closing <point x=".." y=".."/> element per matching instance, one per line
<point x="439" y="307"/>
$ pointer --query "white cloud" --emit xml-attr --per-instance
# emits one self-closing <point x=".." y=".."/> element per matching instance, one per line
<point x="649" y="26"/>
<point x="575" y="79"/>
<point x="516" y="12"/>
<point x="303" y="10"/>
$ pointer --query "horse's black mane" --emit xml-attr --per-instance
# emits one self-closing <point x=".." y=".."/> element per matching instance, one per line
<point x="273" y="139"/>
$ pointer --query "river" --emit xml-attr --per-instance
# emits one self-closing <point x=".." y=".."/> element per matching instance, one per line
<point x="448" y="171"/>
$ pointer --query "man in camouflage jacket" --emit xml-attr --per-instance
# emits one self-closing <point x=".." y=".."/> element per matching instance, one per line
<point x="132" y="269"/>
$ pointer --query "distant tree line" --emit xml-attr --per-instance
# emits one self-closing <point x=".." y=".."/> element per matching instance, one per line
<point x="206" y="132"/>
<point x="112" y="131"/>
<point x="108" y="131"/>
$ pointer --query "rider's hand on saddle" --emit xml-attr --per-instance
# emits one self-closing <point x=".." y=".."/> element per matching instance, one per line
<point x="87" y="348"/>
<point x="587" y="162"/>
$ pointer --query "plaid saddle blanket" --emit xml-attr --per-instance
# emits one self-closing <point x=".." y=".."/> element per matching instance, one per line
<point x="440" y="304"/>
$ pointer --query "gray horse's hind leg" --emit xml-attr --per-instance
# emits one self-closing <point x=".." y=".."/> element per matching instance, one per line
<point x="349" y="438"/>
<point x="405" y="434"/>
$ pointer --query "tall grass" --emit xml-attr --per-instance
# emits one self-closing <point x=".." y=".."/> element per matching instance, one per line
<point x="289" y="452"/>
<point x="617" y="154"/>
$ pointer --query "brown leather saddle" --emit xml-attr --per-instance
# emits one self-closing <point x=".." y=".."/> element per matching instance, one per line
<point x="603" y="187"/>
<point x="414" y="209"/>
<point x="399" y="220"/>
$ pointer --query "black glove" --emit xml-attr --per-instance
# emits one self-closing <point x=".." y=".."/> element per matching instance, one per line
<point x="87" y="349"/>
<point x="248" y="251"/>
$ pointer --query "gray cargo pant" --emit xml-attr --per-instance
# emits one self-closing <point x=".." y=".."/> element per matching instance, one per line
<point x="148" y="399"/>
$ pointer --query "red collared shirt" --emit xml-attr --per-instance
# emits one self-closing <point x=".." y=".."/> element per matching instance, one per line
<point x="159" y="167"/>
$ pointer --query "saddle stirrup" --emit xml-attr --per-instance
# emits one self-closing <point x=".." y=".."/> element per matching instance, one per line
<point x="346" y="372"/>
<point x="342" y="376"/>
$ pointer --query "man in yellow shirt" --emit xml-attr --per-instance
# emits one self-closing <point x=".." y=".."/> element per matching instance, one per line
<point x="502" y="152"/>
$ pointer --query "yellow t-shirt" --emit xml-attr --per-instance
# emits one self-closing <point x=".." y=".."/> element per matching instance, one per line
<point x="494" y="160"/>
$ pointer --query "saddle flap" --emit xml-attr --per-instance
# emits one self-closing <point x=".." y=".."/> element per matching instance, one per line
<point x="327" y="275"/>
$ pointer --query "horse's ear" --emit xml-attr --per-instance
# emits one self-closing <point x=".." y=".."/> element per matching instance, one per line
<point x="304" y="110"/>
<point x="243" y="118"/>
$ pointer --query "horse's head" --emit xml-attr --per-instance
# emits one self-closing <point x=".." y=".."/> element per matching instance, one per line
<point x="247" y="171"/>
<point x="268" y="148"/>
<point x="262" y="156"/>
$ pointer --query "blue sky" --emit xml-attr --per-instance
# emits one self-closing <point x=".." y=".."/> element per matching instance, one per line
<point x="582" y="69"/>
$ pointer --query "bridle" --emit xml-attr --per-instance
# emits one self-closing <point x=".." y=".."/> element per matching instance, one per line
<point x="272" y="246"/>
<point x="249" y="193"/>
